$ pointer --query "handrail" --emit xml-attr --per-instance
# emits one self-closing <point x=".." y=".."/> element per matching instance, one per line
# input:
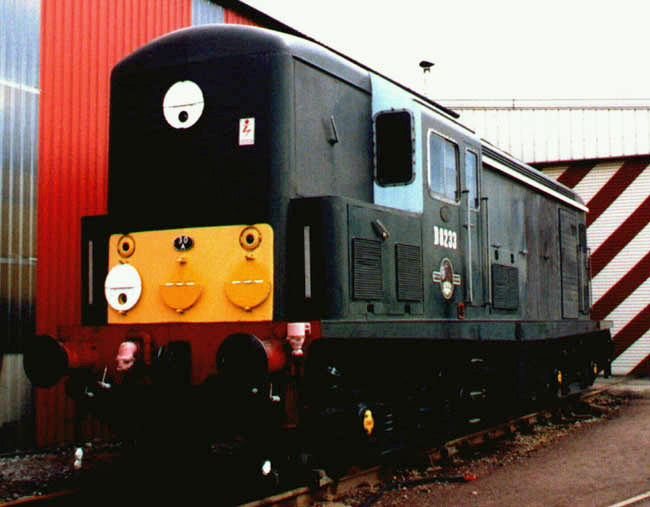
<point x="470" y="287"/>
<point x="486" y="223"/>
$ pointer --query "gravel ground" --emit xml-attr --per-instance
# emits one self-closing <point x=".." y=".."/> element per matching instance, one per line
<point x="30" y="474"/>
<point x="480" y="461"/>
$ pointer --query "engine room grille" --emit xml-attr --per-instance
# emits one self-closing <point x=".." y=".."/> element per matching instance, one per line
<point x="409" y="273"/>
<point x="367" y="275"/>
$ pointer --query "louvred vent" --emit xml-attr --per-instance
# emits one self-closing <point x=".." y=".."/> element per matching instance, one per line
<point x="409" y="273"/>
<point x="368" y="282"/>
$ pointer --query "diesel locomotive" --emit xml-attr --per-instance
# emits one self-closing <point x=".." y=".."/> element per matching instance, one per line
<point x="297" y="245"/>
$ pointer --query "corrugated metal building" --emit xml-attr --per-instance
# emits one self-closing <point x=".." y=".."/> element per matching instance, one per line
<point x="540" y="131"/>
<point x="19" y="106"/>
<point x="55" y="62"/>
<point x="602" y="150"/>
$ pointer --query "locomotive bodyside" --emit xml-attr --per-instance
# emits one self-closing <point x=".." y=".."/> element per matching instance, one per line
<point x="292" y="235"/>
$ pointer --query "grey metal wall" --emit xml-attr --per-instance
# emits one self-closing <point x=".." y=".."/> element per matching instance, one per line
<point x="551" y="131"/>
<point x="16" y="405"/>
<point x="19" y="99"/>
<point x="19" y="103"/>
<point x="205" y="12"/>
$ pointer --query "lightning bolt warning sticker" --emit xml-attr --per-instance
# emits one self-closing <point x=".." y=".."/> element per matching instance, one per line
<point x="246" y="131"/>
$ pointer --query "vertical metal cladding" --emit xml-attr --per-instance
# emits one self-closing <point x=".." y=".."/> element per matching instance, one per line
<point x="234" y="18"/>
<point x="81" y="41"/>
<point x="205" y="12"/>
<point x="16" y="407"/>
<point x="19" y="102"/>
<point x="549" y="131"/>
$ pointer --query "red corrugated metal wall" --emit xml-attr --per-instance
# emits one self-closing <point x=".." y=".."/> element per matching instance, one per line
<point x="234" y="18"/>
<point x="81" y="40"/>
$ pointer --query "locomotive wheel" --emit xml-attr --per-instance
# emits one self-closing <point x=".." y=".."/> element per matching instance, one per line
<point x="347" y="417"/>
<point x="355" y="413"/>
<point x="590" y="372"/>
<point x="242" y="410"/>
<point x="242" y="363"/>
<point x="327" y="419"/>
<point x="556" y="385"/>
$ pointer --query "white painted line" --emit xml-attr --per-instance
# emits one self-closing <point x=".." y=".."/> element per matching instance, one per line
<point x="632" y="501"/>
<point x="530" y="182"/>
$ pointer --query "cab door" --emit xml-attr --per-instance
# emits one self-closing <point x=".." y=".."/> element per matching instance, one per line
<point x="472" y="226"/>
<point x="452" y="223"/>
<point x="443" y="223"/>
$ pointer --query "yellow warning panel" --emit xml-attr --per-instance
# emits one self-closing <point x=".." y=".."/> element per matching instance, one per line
<point x="248" y="285"/>
<point x="200" y="274"/>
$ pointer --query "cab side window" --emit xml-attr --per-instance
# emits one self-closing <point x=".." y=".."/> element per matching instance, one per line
<point x="394" y="148"/>
<point x="443" y="167"/>
<point x="471" y="177"/>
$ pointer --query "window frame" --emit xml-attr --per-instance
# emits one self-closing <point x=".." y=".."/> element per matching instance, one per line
<point x="434" y="194"/>
<point x="476" y="206"/>
<point x="376" y="144"/>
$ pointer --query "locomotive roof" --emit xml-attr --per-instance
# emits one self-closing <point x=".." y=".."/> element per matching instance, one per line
<point x="205" y="42"/>
<point x="527" y="174"/>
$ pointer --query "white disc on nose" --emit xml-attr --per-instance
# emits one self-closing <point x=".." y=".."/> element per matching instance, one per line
<point x="183" y="104"/>
<point x="123" y="287"/>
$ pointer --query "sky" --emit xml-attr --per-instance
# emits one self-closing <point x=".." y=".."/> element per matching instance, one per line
<point x="488" y="49"/>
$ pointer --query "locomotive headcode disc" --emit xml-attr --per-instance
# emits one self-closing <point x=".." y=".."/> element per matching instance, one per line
<point x="183" y="104"/>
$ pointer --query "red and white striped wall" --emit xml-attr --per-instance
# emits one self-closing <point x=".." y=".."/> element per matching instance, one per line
<point x="617" y="193"/>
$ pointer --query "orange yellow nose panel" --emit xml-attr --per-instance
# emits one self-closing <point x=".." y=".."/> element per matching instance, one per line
<point x="248" y="285"/>
<point x="201" y="274"/>
<point x="180" y="296"/>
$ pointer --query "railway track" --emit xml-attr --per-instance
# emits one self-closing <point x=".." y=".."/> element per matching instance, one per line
<point x="323" y="488"/>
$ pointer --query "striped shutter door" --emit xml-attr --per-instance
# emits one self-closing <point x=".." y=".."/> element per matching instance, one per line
<point x="617" y="194"/>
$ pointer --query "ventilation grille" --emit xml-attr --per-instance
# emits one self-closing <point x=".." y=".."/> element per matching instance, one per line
<point x="505" y="287"/>
<point x="409" y="273"/>
<point x="368" y="282"/>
